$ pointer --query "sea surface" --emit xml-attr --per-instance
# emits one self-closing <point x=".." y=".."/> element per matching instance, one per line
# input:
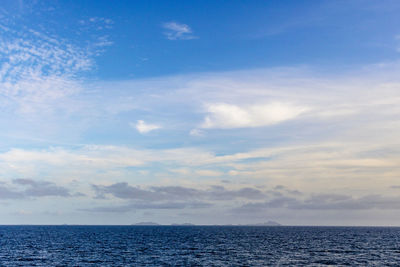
<point x="198" y="246"/>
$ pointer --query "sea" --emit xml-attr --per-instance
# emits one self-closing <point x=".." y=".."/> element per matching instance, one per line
<point x="198" y="246"/>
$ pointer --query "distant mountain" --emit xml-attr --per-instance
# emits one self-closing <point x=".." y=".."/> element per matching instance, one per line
<point x="269" y="223"/>
<point x="146" y="223"/>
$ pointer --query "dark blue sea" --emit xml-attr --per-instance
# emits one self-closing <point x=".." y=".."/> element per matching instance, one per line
<point x="198" y="246"/>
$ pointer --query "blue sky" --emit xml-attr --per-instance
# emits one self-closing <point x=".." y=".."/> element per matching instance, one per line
<point x="208" y="112"/>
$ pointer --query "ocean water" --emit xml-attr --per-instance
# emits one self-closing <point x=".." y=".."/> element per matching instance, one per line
<point x="198" y="246"/>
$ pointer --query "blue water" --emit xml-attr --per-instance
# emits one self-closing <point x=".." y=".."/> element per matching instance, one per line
<point x="198" y="246"/>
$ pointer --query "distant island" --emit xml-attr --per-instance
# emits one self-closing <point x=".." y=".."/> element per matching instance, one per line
<point x="268" y="223"/>
<point x="154" y="224"/>
<point x="146" y="223"/>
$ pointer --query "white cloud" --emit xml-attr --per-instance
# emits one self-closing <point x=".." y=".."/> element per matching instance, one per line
<point x="233" y="116"/>
<point x="196" y="132"/>
<point x="348" y="141"/>
<point x="23" y="212"/>
<point x="143" y="127"/>
<point x="345" y="165"/>
<point x="397" y="38"/>
<point x="178" y="31"/>
<point x="181" y="171"/>
<point x="96" y="23"/>
<point x="211" y="173"/>
<point x="90" y="163"/>
<point x="39" y="72"/>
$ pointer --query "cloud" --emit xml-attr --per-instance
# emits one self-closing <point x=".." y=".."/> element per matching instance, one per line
<point x="343" y="202"/>
<point x="28" y="188"/>
<point x="148" y="206"/>
<point x="38" y="70"/>
<point x="23" y="212"/>
<point x="178" y="31"/>
<point x="245" y="200"/>
<point x="324" y="131"/>
<point x="43" y="74"/>
<point x="90" y="162"/>
<point x="197" y="133"/>
<point x="210" y="173"/>
<point x="220" y="193"/>
<point x="323" y="202"/>
<point x="225" y="116"/>
<point x="125" y="191"/>
<point x="144" y="128"/>
<point x="174" y="193"/>
<point x="7" y="193"/>
<point x="397" y="38"/>
<point x="98" y="22"/>
<point x="348" y="162"/>
<point x="42" y="188"/>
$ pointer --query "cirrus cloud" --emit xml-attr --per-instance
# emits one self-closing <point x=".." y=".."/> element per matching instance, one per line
<point x="227" y="116"/>
<point x="178" y="31"/>
<point x="143" y="127"/>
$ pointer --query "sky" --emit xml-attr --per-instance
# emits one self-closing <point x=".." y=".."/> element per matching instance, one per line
<point x="204" y="112"/>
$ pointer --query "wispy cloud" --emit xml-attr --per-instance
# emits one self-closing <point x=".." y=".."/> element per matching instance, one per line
<point x="37" y="69"/>
<point x="293" y="127"/>
<point x="41" y="72"/>
<point x="143" y="127"/>
<point x="397" y="38"/>
<point x="178" y="31"/>
<point x="232" y="116"/>
<point x="338" y="134"/>
<point x="99" y="23"/>
<point x="196" y="133"/>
